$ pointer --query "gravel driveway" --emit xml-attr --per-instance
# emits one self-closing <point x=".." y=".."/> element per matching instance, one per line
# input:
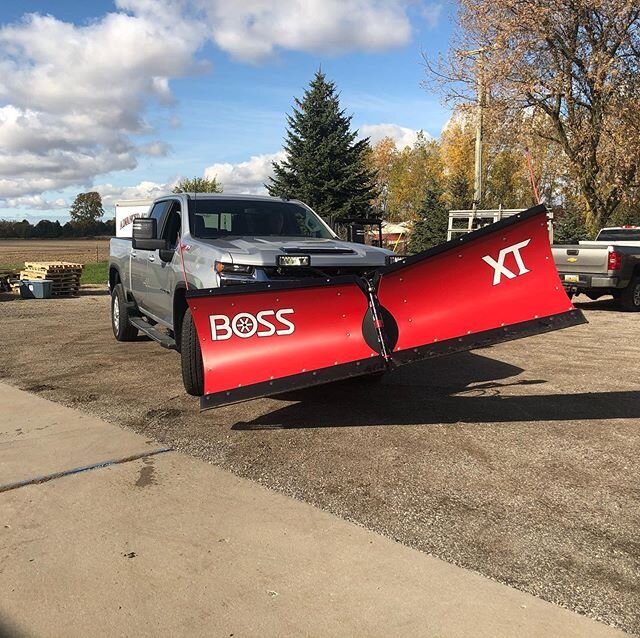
<point x="518" y="461"/>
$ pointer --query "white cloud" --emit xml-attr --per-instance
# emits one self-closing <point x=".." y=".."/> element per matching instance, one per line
<point x="245" y="177"/>
<point x="401" y="135"/>
<point x="253" y="29"/>
<point x="431" y="13"/>
<point x="74" y="96"/>
<point x="110" y="194"/>
<point x="34" y="202"/>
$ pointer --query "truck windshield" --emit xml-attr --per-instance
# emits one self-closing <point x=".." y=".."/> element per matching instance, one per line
<point x="213" y="218"/>
<point x="619" y="234"/>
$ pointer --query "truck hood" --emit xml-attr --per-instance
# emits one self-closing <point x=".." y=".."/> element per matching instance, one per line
<point x="263" y="251"/>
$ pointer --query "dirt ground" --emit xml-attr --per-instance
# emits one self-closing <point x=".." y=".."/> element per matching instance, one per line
<point x="519" y="461"/>
<point x="14" y="252"/>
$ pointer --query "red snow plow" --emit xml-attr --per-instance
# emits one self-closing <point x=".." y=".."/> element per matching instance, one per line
<point x="496" y="284"/>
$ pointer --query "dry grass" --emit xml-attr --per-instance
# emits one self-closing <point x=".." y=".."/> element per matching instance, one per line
<point x="14" y="252"/>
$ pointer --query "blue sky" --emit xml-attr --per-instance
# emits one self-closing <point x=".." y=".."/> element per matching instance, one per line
<point x="125" y="97"/>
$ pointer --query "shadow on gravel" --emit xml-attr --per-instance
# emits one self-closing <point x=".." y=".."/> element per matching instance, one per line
<point x="93" y="292"/>
<point x="439" y="393"/>
<point x="608" y="304"/>
<point x="409" y="406"/>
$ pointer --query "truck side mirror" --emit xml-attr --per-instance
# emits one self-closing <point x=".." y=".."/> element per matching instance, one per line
<point x="144" y="234"/>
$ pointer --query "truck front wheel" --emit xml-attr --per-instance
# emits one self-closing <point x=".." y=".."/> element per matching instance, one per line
<point x="122" y="328"/>
<point x="630" y="296"/>
<point x="191" y="357"/>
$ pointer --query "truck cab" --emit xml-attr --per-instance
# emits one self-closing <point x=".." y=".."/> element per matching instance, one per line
<point x="206" y="241"/>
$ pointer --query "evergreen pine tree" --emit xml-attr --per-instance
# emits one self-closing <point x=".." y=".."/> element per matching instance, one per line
<point x="324" y="165"/>
<point x="431" y="227"/>
<point x="570" y="228"/>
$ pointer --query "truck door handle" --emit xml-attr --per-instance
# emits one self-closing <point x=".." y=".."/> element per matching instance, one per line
<point x="152" y="258"/>
<point x="133" y="254"/>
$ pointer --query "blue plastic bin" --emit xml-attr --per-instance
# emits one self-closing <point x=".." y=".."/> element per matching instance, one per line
<point x="36" y="288"/>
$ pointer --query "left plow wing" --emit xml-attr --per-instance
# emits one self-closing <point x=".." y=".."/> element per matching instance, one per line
<point x="495" y="284"/>
<point x="262" y="339"/>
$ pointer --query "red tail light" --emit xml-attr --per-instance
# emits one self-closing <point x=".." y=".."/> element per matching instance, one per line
<point x="614" y="261"/>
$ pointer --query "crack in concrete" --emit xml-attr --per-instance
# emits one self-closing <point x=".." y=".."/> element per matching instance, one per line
<point x="85" y="468"/>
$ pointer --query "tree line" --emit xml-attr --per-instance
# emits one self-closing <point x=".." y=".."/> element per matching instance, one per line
<point x="46" y="229"/>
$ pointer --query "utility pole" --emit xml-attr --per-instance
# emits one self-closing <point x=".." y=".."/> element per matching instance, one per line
<point x="477" y="182"/>
<point x="481" y="93"/>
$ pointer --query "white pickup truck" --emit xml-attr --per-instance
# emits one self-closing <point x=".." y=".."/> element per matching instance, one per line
<point x="205" y="241"/>
<point x="610" y="265"/>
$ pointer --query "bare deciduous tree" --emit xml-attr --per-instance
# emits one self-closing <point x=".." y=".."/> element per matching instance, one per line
<point x="569" y="70"/>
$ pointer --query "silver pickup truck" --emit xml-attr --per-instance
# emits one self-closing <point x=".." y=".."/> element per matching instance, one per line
<point x="610" y="265"/>
<point x="204" y="241"/>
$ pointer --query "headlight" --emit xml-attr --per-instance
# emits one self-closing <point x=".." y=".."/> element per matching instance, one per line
<point x="394" y="259"/>
<point x="294" y="260"/>
<point x="233" y="269"/>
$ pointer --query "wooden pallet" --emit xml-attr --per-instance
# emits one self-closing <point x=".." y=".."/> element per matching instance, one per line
<point x="53" y="266"/>
<point x="65" y="276"/>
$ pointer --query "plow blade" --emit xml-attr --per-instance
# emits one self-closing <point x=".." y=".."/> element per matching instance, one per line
<point x="495" y="284"/>
<point x="264" y="339"/>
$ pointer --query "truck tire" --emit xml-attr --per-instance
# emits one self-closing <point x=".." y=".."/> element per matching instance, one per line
<point x="120" y="324"/>
<point x="191" y="357"/>
<point x="630" y="296"/>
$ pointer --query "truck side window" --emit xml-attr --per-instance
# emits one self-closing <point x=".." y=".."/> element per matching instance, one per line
<point x="172" y="226"/>
<point x="158" y="211"/>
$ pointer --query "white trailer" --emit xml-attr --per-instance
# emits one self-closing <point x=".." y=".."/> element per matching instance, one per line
<point x="127" y="211"/>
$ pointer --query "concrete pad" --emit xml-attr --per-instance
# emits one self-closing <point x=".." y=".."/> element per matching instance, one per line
<point x="168" y="545"/>
<point x="39" y="438"/>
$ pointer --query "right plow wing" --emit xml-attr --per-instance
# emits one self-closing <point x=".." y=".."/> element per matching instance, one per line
<point x="495" y="284"/>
